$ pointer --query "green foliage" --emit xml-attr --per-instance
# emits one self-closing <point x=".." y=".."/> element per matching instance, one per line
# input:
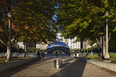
<point x="21" y="50"/>
<point x="14" y="49"/>
<point x="58" y="51"/>
<point x="31" y="21"/>
<point x="93" y="49"/>
<point x="86" y="19"/>
<point x="37" y="20"/>
<point x="73" y="50"/>
<point x="13" y="44"/>
<point x="32" y="49"/>
<point x="3" y="49"/>
<point x="97" y="57"/>
<point x="83" y="50"/>
<point x="94" y="57"/>
<point x="112" y="49"/>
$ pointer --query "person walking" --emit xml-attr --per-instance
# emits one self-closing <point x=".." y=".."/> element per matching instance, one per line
<point x="43" y="55"/>
<point x="69" y="53"/>
<point x="56" y="54"/>
<point x="38" y="54"/>
<point x="75" y="54"/>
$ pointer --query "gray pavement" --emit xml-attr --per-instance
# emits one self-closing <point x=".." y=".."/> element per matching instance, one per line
<point x="72" y="67"/>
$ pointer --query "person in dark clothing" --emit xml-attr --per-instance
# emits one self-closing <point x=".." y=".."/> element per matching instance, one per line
<point x="69" y="53"/>
<point x="38" y="54"/>
<point x="56" y="54"/>
<point x="43" y="55"/>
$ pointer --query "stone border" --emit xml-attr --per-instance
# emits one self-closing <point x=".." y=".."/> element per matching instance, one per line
<point x="110" y="66"/>
<point x="6" y="66"/>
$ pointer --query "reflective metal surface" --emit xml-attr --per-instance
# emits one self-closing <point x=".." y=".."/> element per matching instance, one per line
<point x="58" y="46"/>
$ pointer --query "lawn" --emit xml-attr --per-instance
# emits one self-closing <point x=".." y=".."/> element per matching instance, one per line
<point x="96" y="57"/>
<point x="2" y="59"/>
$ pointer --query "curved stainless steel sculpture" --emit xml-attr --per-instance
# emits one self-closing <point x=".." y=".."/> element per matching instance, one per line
<point x="58" y="46"/>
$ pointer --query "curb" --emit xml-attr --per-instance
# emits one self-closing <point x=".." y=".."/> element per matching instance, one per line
<point x="110" y="66"/>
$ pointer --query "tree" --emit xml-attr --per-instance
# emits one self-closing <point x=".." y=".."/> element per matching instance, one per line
<point x="37" y="20"/>
<point x="86" y="20"/>
<point x="31" y="20"/>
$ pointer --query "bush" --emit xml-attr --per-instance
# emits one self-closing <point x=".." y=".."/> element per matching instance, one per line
<point x="3" y="49"/>
<point x="59" y="51"/>
<point x="14" y="49"/>
<point x="32" y="49"/>
<point x="72" y="50"/>
<point x="21" y="50"/>
<point x="112" y="49"/>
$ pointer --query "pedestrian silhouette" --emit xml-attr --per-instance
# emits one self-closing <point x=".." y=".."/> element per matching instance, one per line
<point x="56" y="54"/>
<point x="38" y="54"/>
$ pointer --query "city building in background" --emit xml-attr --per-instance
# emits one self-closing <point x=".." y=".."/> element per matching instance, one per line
<point x="70" y="42"/>
<point x="61" y="38"/>
<point x="74" y="45"/>
<point x="41" y="46"/>
<point x="25" y="45"/>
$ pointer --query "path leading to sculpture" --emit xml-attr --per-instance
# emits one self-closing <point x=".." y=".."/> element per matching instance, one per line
<point x="71" y="67"/>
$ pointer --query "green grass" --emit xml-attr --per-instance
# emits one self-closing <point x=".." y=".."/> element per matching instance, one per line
<point x="96" y="57"/>
<point x="113" y="57"/>
<point x="2" y="59"/>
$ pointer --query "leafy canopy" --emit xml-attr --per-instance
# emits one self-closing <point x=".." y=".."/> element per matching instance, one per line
<point x="86" y="18"/>
<point x="32" y="20"/>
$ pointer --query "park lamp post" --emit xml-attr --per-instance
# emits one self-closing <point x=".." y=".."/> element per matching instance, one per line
<point x="9" y="39"/>
<point x="107" y="57"/>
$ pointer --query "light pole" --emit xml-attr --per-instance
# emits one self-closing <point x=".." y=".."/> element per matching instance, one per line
<point x="107" y="57"/>
<point x="9" y="39"/>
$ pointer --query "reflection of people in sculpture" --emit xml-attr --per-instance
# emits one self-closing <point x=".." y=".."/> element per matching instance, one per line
<point x="56" y="54"/>
<point x="60" y="52"/>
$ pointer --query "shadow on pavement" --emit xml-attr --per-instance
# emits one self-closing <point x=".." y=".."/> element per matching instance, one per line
<point x="74" y="69"/>
<point x="70" y="68"/>
<point x="12" y="71"/>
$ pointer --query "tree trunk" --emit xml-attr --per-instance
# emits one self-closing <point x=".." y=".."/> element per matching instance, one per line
<point x="9" y="43"/>
<point x="104" y="49"/>
<point x="9" y="57"/>
<point x="102" y="45"/>
<point x="25" y="50"/>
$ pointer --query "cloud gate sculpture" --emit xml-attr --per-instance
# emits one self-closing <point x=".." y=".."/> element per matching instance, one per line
<point x="58" y="46"/>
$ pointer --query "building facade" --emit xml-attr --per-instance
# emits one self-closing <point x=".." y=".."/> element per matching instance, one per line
<point x="70" y="42"/>
<point x="74" y="45"/>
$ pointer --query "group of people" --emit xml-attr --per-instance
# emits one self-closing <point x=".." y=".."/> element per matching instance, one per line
<point x="60" y="53"/>
<point x="40" y="54"/>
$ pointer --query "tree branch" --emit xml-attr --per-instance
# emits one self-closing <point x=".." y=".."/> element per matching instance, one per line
<point x="2" y="42"/>
<point x="98" y="42"/>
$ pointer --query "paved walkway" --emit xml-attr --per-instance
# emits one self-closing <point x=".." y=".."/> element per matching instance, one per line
<point x="72" y="67"/>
